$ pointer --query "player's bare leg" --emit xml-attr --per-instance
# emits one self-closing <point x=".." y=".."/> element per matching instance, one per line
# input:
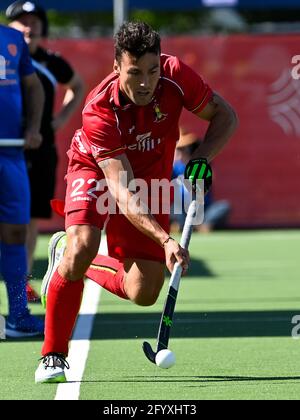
<point x="64" y="294"/>
<point x="143" y="280"/>
<point x="31" y="241"/>
<point x="138" y="280"/>
<point x="13" y="234"/>
<point x="82" y="246"/>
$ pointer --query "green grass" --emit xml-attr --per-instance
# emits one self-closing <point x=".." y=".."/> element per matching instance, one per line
<point x="231" y="333"/>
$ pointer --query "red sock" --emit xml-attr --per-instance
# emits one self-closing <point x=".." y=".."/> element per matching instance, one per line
<point x="109" y="273"/>
<point x="63" y="304"/>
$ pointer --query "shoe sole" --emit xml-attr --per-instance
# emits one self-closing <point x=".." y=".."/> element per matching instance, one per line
<point x="51" y="266"/>
<point x="52" y="380"/>
<point x="21" y="334"/>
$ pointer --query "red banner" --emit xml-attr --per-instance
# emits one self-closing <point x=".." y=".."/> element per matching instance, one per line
<point x="259" y="170"/>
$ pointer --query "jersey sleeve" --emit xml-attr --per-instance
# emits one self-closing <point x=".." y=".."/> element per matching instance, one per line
<point x="25" y="64"/>
<point x="102" y="133"/>
<point x="196" y="92"/>
<point x="61" y="69"/>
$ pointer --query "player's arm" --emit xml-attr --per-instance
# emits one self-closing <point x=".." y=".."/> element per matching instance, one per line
<point x="223" y="123"/>
<point x="74" y="92"/>
<point x="138" y="213"/>
<point x="34" y="104"/>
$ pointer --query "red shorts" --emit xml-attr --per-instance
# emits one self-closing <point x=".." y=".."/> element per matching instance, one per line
<point x="123" y="239"/>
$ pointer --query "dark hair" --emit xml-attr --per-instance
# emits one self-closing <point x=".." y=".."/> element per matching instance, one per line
<point x="137" y="38"/>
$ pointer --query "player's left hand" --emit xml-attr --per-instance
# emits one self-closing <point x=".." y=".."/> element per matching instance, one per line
<point x="198" y="169"/>
<point x="33" y="140"/>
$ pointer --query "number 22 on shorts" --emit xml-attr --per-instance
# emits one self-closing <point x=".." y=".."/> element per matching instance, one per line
<point x="78" y="186"/>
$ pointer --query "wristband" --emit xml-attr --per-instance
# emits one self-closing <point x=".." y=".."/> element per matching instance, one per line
<point x="167" y="240"/>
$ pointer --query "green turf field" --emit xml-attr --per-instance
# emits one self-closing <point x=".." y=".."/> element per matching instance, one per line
<point x="231" y="334"/>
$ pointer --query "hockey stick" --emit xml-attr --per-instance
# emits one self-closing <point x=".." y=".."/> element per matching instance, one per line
<point x="167" y="315"/>
<point x="12" y="142"/>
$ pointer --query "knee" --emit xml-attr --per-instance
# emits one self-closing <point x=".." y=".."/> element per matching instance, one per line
<point x="78" y="258"/>
<point x="14" y="234"/>
<point x="143" y="281"/>
<point x="79" y="254"/>
<point x="145" y="301"/>
<point x="145" y="296"/>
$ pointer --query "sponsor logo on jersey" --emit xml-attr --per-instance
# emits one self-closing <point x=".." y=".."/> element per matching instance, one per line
<point x="131" y="130"/>
<point x="159" y="116"/>
<point x="144" y="143"/>
<point x="80" y="145"/>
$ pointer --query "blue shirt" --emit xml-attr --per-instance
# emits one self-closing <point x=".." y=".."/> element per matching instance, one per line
<point x="15" y="63"/>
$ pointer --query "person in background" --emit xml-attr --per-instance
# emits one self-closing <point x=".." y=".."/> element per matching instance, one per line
<point x="17" y="74"/>
<point x="216" y="213"/>
<point x="31" y="19"/>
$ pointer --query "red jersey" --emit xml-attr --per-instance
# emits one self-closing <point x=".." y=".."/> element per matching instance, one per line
<point x="147" y="134"/>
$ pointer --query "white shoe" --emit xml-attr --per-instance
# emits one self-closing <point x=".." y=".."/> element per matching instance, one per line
<point x="51" y="369"/>
<point x="56" y="250"/>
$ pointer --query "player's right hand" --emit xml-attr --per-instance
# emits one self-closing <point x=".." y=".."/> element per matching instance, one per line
<point x="33" y="140"/>
<point x="175" y="253"/>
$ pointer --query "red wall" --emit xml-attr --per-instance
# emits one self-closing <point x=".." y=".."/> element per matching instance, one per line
<point x="259" y="170"/>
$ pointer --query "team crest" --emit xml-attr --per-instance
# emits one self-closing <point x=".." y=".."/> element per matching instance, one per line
<point x="159" y="116"/>
<point x="12" y="49"/>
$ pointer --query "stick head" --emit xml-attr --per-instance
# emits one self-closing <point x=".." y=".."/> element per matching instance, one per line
<point x="149" y="353"/>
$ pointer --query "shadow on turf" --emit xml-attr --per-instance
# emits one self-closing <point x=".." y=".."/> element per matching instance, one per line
<point x="195" y="379"/>
<point x="196" y="324"/>
<point x="198" y="268"/>
<point x="111" y="326"/>
<point x="39" y="268"/>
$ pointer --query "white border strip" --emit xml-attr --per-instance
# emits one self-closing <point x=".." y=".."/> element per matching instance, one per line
<point x="80" y="344"/>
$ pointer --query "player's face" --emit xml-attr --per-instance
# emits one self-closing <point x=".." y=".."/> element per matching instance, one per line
<point x="31" y="27"/>
<point x="138" y="77"/>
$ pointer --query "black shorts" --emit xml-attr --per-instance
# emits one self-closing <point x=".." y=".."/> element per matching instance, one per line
<point x="41" y="166"/>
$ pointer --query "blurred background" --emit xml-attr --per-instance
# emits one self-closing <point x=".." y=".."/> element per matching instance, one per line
<point x="244" y="49"/>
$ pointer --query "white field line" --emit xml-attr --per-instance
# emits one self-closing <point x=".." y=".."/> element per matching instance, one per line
<point x="80" y="344"/>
